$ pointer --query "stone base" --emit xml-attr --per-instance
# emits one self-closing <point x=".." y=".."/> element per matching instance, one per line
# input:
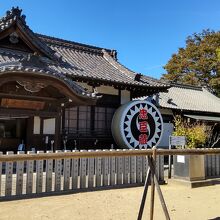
<point x="189" y="167"/>
<point x="198" y="183"/>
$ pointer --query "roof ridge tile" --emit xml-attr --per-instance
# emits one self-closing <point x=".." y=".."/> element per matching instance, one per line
<point x="118" y="66"/>
<point x="72" y="44"/>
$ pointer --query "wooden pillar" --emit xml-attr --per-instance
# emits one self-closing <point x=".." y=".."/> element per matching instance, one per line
<point x="41" y="126"/>
<point x="63" y="119"/>
<point x="119" y="95"/>
<point x="92" y="118"/>
<point x="18" y="128"/>
<point x="57" y="138"/>
<point x="29" y="134"/>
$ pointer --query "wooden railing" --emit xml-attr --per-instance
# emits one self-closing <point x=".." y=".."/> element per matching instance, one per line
<point x="35" y="173"/>
<point x="41" y="172"/>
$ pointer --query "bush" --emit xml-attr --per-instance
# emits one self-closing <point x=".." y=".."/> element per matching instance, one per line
<point x="195" y="133"/>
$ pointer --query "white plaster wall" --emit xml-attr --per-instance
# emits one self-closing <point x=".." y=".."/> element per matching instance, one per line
<point x="49" y="126"/>
<point x="110" y="90"/>
<point x="167" y="131"/>
<point x="125" y="96"/>
<point x="36" y="125"/>
<point x="107" y="90"/>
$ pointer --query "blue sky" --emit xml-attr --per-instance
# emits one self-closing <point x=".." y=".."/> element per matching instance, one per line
<point x="145" y="33"/>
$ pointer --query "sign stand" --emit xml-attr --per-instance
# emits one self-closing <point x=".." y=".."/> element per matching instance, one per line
<point x="169" y="160"/>
<point x="151" y="173"/>
<point x="174" y="141"/>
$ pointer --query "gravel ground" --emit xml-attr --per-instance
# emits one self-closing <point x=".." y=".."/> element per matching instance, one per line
<point x="182" y="201"/>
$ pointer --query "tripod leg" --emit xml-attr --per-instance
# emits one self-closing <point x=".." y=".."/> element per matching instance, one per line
<point x="162" y="201"/>
<point x="143" y="200"/>
<point x="153" y="160"/>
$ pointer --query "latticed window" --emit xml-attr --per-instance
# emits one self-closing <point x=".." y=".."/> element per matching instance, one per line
<point x="78" y="119"/>
<point x="88" y="120"/>
<point x="71" y="119"/>
<point x="103" y="119"/>
<point x="84" y="118"/>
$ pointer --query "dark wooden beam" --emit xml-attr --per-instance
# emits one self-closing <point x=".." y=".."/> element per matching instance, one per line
<point x="22" y="112"/>
<point x="7" y="32"/>
<point x="29" y="132"/>
<point x="119" y="94"/>
<point x="92" y="121"/>
<point x="60" y="85"/>
<point x="63" y="119"/>
<point x="27" y="97"/>
<point x="23" y="36"/>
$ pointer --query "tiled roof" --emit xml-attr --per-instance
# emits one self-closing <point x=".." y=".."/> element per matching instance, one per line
<point x="190" y="98"/>
<point x="15" y="61"/>
<point x="75" y="60"/>
<point x="97" y="63"/>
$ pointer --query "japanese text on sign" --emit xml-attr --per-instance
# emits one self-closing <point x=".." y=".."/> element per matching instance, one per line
<point x="143" y="126"/>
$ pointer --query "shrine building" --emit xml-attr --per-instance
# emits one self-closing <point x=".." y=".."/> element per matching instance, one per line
<point x="57" y="94"/>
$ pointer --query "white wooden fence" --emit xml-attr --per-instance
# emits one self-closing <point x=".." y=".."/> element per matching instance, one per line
<point x="53" y="175"/>
<point x="212" y="166"/>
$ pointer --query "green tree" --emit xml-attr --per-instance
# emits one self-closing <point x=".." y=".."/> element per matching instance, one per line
<point x="198" y="63"/>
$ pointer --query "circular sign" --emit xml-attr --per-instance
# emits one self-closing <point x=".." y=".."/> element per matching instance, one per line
<point x="137" y="124"/>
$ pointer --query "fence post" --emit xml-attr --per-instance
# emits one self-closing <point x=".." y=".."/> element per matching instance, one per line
<point x="126" y="175"/>
<point x="91" y="171"/>
<point x="75" y="172"/>
<point x="82" y="173"/>
<point x="66" y="172"/>
<point x="161" y="173"/>
<point x="39" y="169"/>
<point x="49" y="171"/>
<point x="133" y="169"/>
<point x="9" y="173"/>
<point x="139" y="169"/>
<point x="120" y="167"/>
<point x="145" y="167"/>
<point x="58" y="172"/>
<point x="112" y="170"/>
<point x="98" y="170"/>
<point x="105" y="169"/>
<point x="30" y="170"/>
<point x="19" y="175"/>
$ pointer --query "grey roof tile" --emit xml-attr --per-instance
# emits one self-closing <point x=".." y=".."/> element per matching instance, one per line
<point x="24" y="65"/>
<point x="189" y="98"/>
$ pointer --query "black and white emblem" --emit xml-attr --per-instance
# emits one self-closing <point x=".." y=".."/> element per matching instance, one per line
<point x="137" y="124"/>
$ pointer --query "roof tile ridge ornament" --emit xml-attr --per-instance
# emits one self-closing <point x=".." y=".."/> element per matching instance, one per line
<point x="13" y="13"/>
<point x="12" y="16"/>
<point x="15" y="16"/>
<point x="118" y="65"/>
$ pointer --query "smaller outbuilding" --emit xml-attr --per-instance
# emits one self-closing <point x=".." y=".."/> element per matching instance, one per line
<point x="194" y="103"/>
